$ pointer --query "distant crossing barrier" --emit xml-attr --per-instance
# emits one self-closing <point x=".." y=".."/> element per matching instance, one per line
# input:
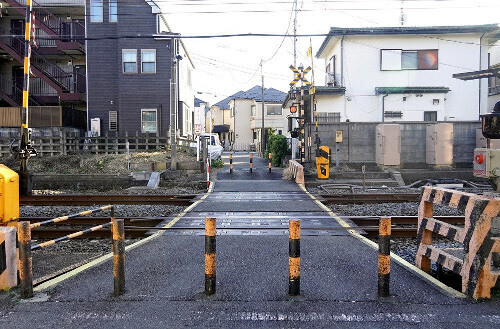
<point x="480" y="241"/>
<point x="297" y="171"/>
<point x="25" y="248"/>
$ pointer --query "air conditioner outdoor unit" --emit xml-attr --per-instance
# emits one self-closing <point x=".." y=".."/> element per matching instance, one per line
<point x="95" y="127"/>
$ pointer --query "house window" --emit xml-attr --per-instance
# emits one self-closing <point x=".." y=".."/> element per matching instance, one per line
<point x="113" y="120"/>
<point x="254" y="110"/>
<point x="129" y="61"/>
<point x="430" y="115"/>
<point x="254" y="134"/>
<point x="148" y="121"/>
<point x="148" y="61"/>
<point x="435" y="101"/>
<point x="393" y="114"/>
<point x="274" y="110"/>
<point x="113" y="10"/>
<point x="280" y="132"/>
<point x="96" y="10"/>
<point x="397" y="59"/>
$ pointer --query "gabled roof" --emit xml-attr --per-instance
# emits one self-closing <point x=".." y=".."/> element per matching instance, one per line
<point x="224" y="104"/>
<point x="406" y="30"/>
<point x="271" y="95"/>
<point x="197" y="102"/>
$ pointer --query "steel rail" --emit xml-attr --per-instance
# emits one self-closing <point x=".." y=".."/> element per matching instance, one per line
<point x="369" y="198"/>
<point x="61" y="199"/>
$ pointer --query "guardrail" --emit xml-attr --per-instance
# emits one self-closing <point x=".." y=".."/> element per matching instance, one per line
<point x="297" y="171"/>
<point x="473" y="261"/>
<point x="25" y="248"/>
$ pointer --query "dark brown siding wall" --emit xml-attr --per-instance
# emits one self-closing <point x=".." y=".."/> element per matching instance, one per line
<point x="109" y="89"/>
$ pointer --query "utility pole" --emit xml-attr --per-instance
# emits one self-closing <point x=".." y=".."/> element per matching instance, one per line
<point x="262" y="136"/>
<point x="294" y="140"/>
<point x="295" y="36"/>
<point x="173" y="105"/>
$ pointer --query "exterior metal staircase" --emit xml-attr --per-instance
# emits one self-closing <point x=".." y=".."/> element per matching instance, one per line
<point x="68" y="35"/>
<point x="12" y="94"/>
<point x="53" y="75"/>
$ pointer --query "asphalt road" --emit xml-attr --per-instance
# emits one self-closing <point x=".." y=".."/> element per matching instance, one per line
<point x="165" y="279"/>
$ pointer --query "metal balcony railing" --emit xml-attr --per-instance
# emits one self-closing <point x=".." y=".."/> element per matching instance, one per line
<point x="333" y="80"/>
<point x="53" y="24"/>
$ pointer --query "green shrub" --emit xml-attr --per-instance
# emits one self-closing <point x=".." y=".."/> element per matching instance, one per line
<point x="276" y="145"/>
<point x="217" y="163"/>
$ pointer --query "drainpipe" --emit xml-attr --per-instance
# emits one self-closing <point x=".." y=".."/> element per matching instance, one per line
<point x="342" y="60"/>
<point x="480" y="68"/>
<point x="383" y="107"/>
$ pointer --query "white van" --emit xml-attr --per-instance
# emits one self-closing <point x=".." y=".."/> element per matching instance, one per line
<point x="214" y="147"/>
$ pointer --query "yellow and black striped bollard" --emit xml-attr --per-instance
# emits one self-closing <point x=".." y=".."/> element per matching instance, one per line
<point x="25" y="260"/>
<point x="270" y="160"/>
<point x="231" y="163"/>
<point x="210" y="256"/>
<point x="294" y="258"/>
<point x="251" y="161"/>
<point x="118" y="230"/>
<point x="384" y="258"/>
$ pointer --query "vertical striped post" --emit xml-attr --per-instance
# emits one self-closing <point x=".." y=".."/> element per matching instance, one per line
<point x="118" y="230"/>
<point x="251" y="162"/>
<point x="294" y="258"/>
<point x="25" y="261"/>
<point x="208" y="173"/>
<point x="231" y="163"/>
<point x="270" y="161"/>
<point x="25" y="138"/>
<point x="384" y="258"/>
<point x="210" y="256"/>
<point x="301" y="115"/>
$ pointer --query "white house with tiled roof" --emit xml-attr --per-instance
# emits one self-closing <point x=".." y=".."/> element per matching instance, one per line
<point x="389" y="74"/>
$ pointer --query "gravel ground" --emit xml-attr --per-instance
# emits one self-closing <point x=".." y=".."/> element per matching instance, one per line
<point x="68" y="254"/>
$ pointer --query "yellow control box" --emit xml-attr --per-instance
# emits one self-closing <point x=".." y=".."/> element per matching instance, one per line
<point x="323" y="162"/>
<point x="9" y="195"/>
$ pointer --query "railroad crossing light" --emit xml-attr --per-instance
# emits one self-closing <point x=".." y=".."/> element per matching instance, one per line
<point x="293" y="108"/>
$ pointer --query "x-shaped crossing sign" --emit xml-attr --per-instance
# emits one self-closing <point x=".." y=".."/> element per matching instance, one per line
<point x="300" y="76"/>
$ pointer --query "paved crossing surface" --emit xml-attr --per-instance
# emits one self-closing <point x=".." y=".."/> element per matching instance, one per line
<point x="164" y="275"/>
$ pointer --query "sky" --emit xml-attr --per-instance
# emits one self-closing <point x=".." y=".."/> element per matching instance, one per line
<point x="223" y="66"/>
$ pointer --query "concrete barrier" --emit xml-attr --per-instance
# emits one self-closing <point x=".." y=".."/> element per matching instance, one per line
<point x="473" y="262"/>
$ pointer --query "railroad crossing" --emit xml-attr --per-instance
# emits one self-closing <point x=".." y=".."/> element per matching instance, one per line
<point x="164" y="273"/>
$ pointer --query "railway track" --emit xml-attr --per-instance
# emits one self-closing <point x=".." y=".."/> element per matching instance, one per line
<point x="136" y="227"/>
<point x="187" y="199"/>
<point x="87" y="200"/>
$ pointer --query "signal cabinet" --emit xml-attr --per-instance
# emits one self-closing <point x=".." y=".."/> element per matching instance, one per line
<point x="439" y="144"/>
<point x="323" y="162"/>
<point x="388" y="145"/>
<point x="9" y="195"/>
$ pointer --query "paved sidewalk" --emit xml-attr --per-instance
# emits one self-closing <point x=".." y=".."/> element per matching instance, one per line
<point x="165" y="276"/>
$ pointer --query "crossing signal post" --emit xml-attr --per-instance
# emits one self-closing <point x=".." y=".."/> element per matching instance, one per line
<point x="300" y="74"/>
<point x="25" y="149"/>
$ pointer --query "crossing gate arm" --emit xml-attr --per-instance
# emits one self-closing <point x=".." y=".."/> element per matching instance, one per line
<point x="473" y="262"/>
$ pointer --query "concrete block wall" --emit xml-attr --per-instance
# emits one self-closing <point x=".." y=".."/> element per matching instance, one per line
<point x="359" y="141"/>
